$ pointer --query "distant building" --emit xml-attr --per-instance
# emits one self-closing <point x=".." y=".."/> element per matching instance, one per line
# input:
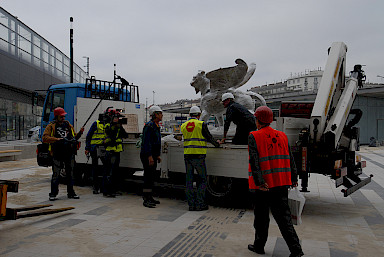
<point x="309" y="81"/>
<point x="174" y="114"/>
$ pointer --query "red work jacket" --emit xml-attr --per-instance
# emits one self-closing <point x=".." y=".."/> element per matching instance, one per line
<point x="274" y="158"/>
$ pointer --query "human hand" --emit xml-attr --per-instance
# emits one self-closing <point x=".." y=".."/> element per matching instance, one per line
<point x="86" y="152"/>
<point x="222" y="141"/>
<point x="158" y="159"/>
<point x="81" y="129"/>
<point x="151" y="161"/>
<point x="264" y="187"/>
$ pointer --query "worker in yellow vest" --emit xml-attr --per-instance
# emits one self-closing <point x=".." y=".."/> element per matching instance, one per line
<point x="114" y="133"/>
<point x="196" y="135"/>
<point x="95" y="149"/>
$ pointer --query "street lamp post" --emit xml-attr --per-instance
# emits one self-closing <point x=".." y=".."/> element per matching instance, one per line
<point x="71" y="49"/>
<point x="87" y="66"/>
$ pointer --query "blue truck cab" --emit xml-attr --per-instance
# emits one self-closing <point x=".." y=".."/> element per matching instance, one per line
<point x="67" y="95"/>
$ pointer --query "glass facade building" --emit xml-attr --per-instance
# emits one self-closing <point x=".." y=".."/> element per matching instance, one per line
<point x="23" y="43"/>
<point x="28" y="62"/>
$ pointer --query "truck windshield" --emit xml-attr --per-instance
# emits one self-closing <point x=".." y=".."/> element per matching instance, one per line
<point x="54" y="99"/>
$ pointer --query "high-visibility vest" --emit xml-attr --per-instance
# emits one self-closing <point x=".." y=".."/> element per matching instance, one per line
<point x="99" y="135"/>
<point x="274" y="158"/>
<point x="118" y="147"/>
<point x="194" y="142"/>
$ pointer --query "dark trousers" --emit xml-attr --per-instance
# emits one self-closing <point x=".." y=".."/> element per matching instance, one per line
<point x="96" y="169"/>
<point x="110" y="176"/>
<point x="241" y="135"/>
<point x="196" y="199"/>
<point x="149" y="175"/>
<point x="59" y="164"/>
<point x="276" y="200"/>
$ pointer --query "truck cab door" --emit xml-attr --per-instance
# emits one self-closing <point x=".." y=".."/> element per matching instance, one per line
<point x="53" y="100"/>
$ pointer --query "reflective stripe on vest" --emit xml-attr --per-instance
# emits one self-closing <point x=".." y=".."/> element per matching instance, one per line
<point x="274" y="159"/>
<point x="99" y="135"/>
<point x="194" y="142"/>
<point x="119" y="146"/>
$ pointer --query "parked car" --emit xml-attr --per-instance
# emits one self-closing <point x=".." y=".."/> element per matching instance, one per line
<point x="33" y="134"/>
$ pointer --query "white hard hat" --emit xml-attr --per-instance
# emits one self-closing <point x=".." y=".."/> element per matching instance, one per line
<point x="226" y="96"/>
<point x="154" y="108"/>
<point x="194" y="109"/>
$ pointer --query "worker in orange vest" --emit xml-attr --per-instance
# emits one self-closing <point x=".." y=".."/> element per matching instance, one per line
<point x="272" y="171"/>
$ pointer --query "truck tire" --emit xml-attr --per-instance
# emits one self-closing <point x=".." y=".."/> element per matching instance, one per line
<point x="219" y="187"/>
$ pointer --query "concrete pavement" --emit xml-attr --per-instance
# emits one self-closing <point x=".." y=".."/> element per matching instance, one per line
<point x="333" y="225"/>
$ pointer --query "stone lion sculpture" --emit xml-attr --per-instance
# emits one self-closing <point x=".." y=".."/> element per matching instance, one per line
<point x="215" y="83"/>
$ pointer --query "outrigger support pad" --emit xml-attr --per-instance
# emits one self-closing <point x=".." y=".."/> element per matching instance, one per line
<point x="355" y="187"/>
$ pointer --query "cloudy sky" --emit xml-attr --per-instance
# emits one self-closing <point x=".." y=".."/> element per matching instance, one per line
<point x="161" y="44"/>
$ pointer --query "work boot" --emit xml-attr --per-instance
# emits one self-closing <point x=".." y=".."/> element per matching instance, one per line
<point x="109" y="195"/>
<point x="52" y="198"/>
<point x="255" y="249"/>
<point x="153" y="200"/>
<point x="149" y="204"/>
<point x="73" y="196"/>
<point x="296" y="254"/>
<point x="202" y="208"/>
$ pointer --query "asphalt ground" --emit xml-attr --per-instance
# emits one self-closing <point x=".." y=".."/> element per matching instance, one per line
<point x="333" y="225"/>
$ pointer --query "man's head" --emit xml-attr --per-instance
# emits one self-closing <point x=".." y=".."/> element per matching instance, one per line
<point x="59" y="114"/>
<point x="156" y="113"/>
<point x="264" y="115"/>
<point x="226" y="98"/>
<point x="195" y="112"/>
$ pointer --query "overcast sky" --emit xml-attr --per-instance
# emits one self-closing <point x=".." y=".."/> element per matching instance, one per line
<point x="160" y="45"/>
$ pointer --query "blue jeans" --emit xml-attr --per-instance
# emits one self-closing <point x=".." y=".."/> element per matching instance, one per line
<point x="196" y="199"/>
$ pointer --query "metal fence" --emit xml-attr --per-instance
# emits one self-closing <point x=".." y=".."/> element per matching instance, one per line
<point x="16" y="127"/>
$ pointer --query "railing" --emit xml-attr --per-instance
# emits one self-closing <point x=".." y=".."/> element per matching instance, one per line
<point x="15" y="127"/>
<point x="106" y="90"/>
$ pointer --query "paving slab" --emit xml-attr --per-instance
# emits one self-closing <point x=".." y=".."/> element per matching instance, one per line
<point x="333" y="225"/>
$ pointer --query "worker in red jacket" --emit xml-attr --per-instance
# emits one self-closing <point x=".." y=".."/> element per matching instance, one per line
<point x="272" y="171"/>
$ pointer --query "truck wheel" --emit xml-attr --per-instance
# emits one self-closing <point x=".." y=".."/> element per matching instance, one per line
<point x="219" y="186"/>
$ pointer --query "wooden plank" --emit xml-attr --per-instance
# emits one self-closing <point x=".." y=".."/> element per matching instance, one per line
<point x="39" y="212"/>
<point x="32" y="207"/>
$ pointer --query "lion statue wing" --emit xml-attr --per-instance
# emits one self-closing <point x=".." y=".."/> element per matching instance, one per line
<point x="224" y="78"/>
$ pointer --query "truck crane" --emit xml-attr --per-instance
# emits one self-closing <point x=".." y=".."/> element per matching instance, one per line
<point x="322" y="141"/>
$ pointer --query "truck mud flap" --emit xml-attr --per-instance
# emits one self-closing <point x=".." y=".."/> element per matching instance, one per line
<point x="357" y="186"/>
